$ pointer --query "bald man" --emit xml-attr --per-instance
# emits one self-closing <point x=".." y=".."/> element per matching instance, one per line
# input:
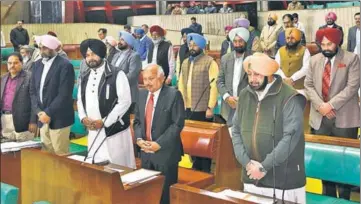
<point x="159" y="120"/>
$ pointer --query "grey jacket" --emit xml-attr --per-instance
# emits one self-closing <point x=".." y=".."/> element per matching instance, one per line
<point x="27" y="66"/>
<point x="351" y="39"/>
<point x="131" y="66"/>
<point x="225" y="83"/>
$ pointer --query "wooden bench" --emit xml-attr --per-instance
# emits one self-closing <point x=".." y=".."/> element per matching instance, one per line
<point x="209" y="140"/>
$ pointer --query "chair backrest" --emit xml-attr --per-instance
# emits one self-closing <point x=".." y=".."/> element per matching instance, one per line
<point x="333" y="163"/>
<point x="5" y="52"/>
<point x="9" y="194"/>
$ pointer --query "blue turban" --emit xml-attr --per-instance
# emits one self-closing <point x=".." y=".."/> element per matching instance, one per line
<point x="139" y="31"/>
<point x="127" y="37"/>
<point x="199" y="40"/>
<point x="186" y="31"/>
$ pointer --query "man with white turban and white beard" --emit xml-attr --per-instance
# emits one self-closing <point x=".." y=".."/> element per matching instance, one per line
<point x="103" y="102"/>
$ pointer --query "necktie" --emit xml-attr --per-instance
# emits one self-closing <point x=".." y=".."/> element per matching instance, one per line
<point x="326" y="78"/>
<point x="148" y="117"/>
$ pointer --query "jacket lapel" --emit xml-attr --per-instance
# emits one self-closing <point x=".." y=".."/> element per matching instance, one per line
<point x="158" y="106"/>
<point x="51" y="70"/>
<point x="319" y="75"/>
<point x="142" y="104"/>
<point x="231" y="67"/>
<point x="338" y="58"/>
<point x="20" y="82"/>
<point x="3" y="84"/>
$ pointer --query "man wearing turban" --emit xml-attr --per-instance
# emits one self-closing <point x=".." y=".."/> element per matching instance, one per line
<point x="330" y="19"/>
<point x="332" y="83"/>
<point x="267" y="133"/>
<point x="51" y="96"/>
<point x="232" y="78"/>
<point x="129" y="62"/>
<point x="199" y="73"/>
<point x="183" y="52"/>
<point x="104" y="98"/>
<point x="253" y="43"/>
<point x="269" y="35"/>
<point x="144" y="43"/>
<point x="110" y="43"/>
<point x="227" y="45"/>
<point x="288" y="22"/>
<point x="161" y="52"/>
<point x="293" y="59"/>
<point x="36" y="53"/>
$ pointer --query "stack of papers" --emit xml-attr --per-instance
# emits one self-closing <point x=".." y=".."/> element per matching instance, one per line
<point x="17" y="146"/>
<point x="246" y="196"/>
<point x="138" y="176"/>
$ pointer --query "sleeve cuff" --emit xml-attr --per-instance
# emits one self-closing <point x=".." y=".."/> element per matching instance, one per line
<point x="225" y="96"/>
<point x="266" y="165"/>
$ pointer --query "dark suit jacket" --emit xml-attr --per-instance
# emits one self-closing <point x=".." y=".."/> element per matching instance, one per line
<point x="335" y="26"/>
<point x="21" y="106"/>
<point x="131" y="66"/>
<point x="351" y="39"/>
<point x="224" y="47"/>
<point x="168" y="122"/>
<point x="57" y="92"/>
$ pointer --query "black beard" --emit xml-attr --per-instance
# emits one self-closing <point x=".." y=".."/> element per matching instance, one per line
<point x="260" y="88"/>
<point x="330" y="23"/>
<point x="94" y="65"/>
<point x="329" y="54"/>
<point x="271" y="23"/>
<point x="194" y="53"/>
<point x="228" y="39"/>
<point x="122" y="47"/>
<point x="292" y="46"/>
<point x="240" y="50"/>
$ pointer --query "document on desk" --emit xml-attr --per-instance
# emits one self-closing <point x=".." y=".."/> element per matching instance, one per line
<point x="138" y="176"/>
<point x="16" y="146"/>
<point x="246" y="196"/>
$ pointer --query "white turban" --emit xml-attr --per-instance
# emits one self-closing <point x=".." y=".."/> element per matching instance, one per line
<point x="241" y="32"/>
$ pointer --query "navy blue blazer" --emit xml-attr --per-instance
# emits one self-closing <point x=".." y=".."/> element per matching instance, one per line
<point x="57" y="92"/>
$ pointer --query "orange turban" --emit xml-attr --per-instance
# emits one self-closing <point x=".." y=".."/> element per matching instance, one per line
<point x="157" y="29"/>
<point x="294" y="32"/>
<point x="260" y="63"/>
<point x="273" y="16"/>
<point x="332" y="34"/>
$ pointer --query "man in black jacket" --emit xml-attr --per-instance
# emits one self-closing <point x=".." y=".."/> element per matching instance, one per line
<point x="19" y="36"/>
<point x="51" y="92"/>
<point x="17" y="120"/>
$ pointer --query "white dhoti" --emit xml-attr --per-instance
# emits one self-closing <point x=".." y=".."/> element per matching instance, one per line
<point x="297" y="195"/>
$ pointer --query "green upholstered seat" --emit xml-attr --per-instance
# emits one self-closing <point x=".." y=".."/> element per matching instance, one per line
<point x="77" y="149"/>
<point x="5" y="52"/>
<point x="339" y="4"/>
<point x="315" y="6"/>
<point x="77" y="72"/>
<point x="78" y="128"/>
<point x="75" y="63"/>
<point x="75" y="92"/>
<point x="9" y="194"/>
<point x="320" y="199"/>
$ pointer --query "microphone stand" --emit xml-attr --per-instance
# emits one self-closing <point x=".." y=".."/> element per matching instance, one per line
<point x="274" y="155"/>
<point x="204" y="91"/>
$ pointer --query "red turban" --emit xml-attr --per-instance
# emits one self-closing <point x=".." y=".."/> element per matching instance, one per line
<point x="331" y="15"/>
<point x="157" y="29"/>
<point x="332" y="34"/>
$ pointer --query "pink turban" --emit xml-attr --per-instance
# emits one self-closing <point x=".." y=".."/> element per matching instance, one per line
<point x="49" y="41"/>
<point x="331" y="15"/>
<point x="228" y="28"/>
<point x="110" y="39"/>
<point x="241" y="22"/>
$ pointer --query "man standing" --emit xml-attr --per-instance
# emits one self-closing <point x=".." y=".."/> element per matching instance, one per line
<point x="18" y="122"/>
<point x="297" y="23"/>
<point x="269" y="35"/>
<point x="225" y="8"/>
<point x="232" y="78"/>
<point x="36" y="53"/>
<point x="144" y="44"/>
<point x="268" y="131"/>
<point x="331" y="83"/>
<point x="161" y="52"/>
<point x="196" y="27"/>
<point x="227" y="45"/>
<point x="19" y="36"/>
<point x="193" y="9"/>
<point x="210" y="8"/>
<point x="253" y="43"/>
<point x="110" y="44"/>
<point x="353" y="39"/>
<point x="293" y="59"/>
<point x="159" y="120"/>
<point x="27" y="62"/>
<point x="129" y="62"/>
<point x="51" y="92"/>
<point x="288" y="23"/>
<point x="183" y="52"/>
<point x="145" y="27"/>
<point x="199" y="73"/>
<point x="102" y="34"/>
<point x="330" y="19"/>
<point x="103" y="102"/>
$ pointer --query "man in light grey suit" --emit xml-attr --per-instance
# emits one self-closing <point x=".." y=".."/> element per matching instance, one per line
<point x="25" y="52"/>
<point x="128" y="61"/>
<point x="353" y="38"/>
<point x="331" y="83"/>
<point x="232" y="78"/>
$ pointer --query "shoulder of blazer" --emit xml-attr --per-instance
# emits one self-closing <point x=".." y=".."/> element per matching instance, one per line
<point x="227" y="56"/>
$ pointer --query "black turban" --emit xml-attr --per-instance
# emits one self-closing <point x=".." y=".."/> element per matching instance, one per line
<point x="186" y="31"/>
<point x="95" y="45"/>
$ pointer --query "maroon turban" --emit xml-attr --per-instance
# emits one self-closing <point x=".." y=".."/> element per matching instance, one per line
<point x="157" y="29"/>
<point x="332" y="34"/>
<point x="228" y="28"/>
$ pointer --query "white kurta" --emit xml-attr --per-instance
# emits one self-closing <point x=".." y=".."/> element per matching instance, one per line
<point x="118" y="148"/>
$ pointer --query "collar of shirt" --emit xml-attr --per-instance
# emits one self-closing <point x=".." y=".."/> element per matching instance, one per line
<point x="155" y="97"/>
<point x="262" y="94"/>
<point x="50" y="61"/>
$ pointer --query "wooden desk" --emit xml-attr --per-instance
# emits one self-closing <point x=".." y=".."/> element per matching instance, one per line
<point x="11" y="168"/>
<point x="61" y="180"/>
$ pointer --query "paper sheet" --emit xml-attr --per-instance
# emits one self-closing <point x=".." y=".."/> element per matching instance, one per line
<point x="246" y="196"/>
<point x="16" y="146"/>
<point x="138" y="176"/>
<point x="114" y="169"/>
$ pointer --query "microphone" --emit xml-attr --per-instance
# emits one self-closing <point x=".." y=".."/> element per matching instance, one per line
<point x="274" y="155"/>
<point x="204" y="91"/>
<point x="96" y="136"/>
<point x="106" y="162"/>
